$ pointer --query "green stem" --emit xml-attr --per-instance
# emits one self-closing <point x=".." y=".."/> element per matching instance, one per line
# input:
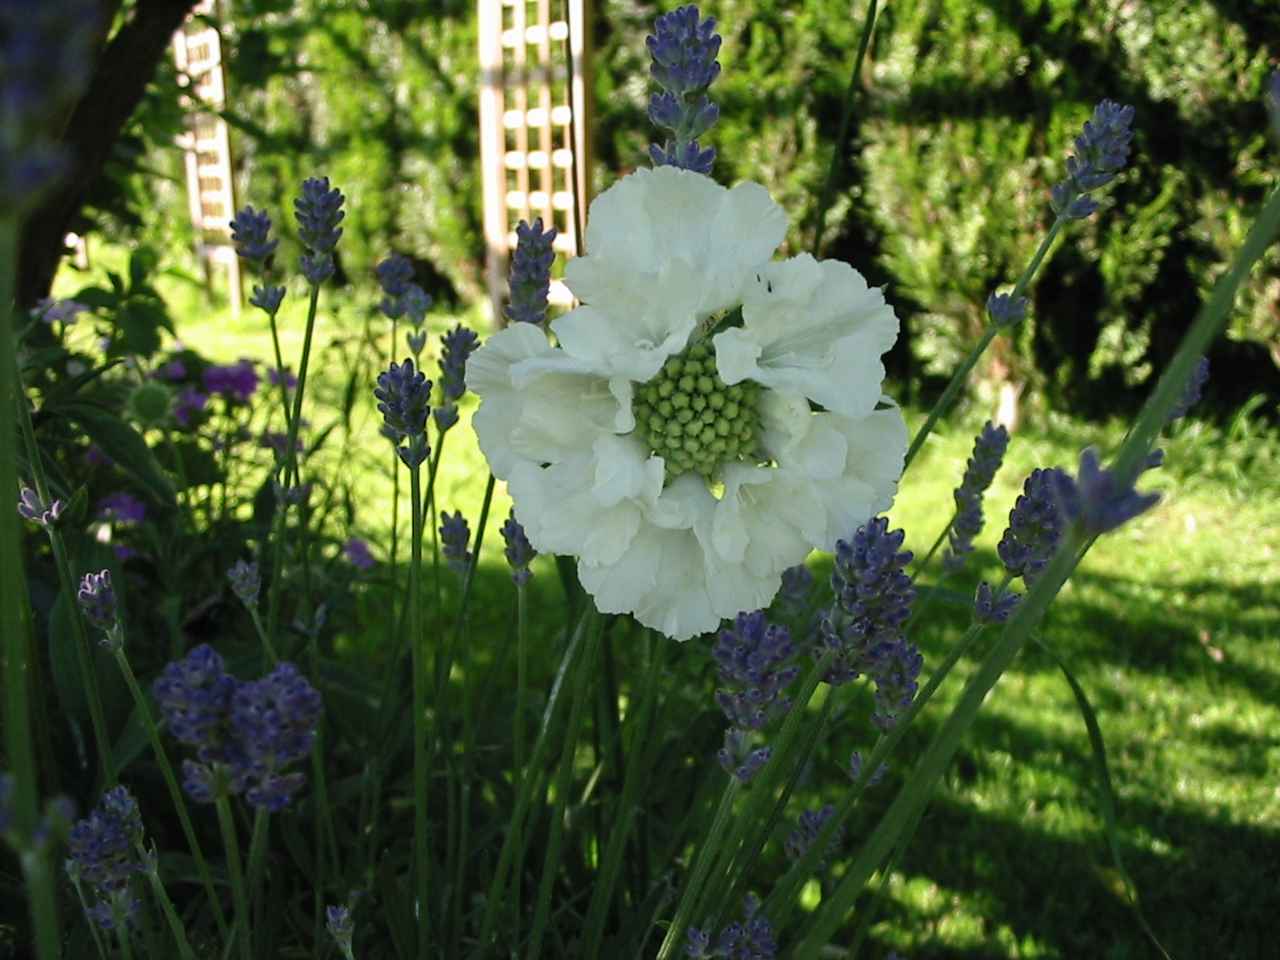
<point x="263" y="635"/>
<point x="701" y="867"/>
<point x="518" y="732"/>
<point x="20" y="752"/>
<point x="171" y="781"/>
<point x="166" y="905"/>
<point x="257" y="852"/>
<point x="294" y="421"/>
<point x="44" y="905"/>
<point x="494" y="902"/>
<point x="122" y="933"/>
<point x="93" y="927"/>
<point x="231" y="844"/>
<point x="564" y="785"/>
<point x="284" y="389"/>
<point x="846" y="113"/>
<point x="416" y="637"/>
<point x="993" y="329"/>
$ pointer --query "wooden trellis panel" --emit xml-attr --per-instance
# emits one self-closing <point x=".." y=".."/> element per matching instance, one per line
<point x="197" y="51"/>
<point x="534" y="119"/>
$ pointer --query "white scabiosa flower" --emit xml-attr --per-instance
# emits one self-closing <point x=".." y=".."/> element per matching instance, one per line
<point x="709" y="416"/>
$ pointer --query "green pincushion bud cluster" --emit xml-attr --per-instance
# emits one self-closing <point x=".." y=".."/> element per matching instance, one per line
<point x="693" y="419"/>
<point x="150" y="403"/>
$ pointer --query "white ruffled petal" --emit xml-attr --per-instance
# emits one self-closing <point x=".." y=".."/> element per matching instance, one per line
<point x="820" y="331"/>
<point x="876" y="447"/>
<point x="537" y="403"/>
<point x="763" y="521"/>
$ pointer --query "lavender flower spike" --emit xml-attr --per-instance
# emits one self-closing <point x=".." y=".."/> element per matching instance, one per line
<point x="988" y="453"/>
<point x="684" y="49"/>
<point x="752" y="661"/>
<point x="987" y="608"/>
<point x="97" y="600"/>
<point x="1102" y="150"/>
<point x="246" y="582"/>
<point x="806" y="833"/>
<point x="1035" y="526"/>
<point x="250" y="232"/>
<point x="404" y="400"/>
<point x="32" y="508"/>
<point x="519" y="551"/>
<point x="458" y="345"/>
<point x="531" y="273"/>
<point x="455" y="534"/>
<point x="341" y="927"/>
<point x="873" y="597"/>
<point x="1095" y="497"/>
<point x="274" y="721"/>
<point x="319" y="212"/>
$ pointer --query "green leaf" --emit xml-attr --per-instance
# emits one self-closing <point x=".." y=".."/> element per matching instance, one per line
<point x="132" y="740"/>
<point x="123" y="444"/>
<point x="98" y="298"/>
<point x="68" y="681"/>
<point x="1106" y="794"/>
<point x="141" y="265"/>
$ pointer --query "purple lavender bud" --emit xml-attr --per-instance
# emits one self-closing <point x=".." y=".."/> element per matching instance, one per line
<point x="531" y="273"/>
<point x="896" y="671"/>
<point x="97" y="599"/>
<point x="319" y="211"/>
<point x="404" y="400"/>
<point x="416" y="339"/>
<point x="199" y="782"/>
<point x="1035" y="526"/>
<point x="122" y="508"/>
<point x="987" y="608"/>
<point x="855" y="770"/>
<point x="274" y="721"/>
<point x="750" y="939"/>
<point x="738" y="758"/>
<point x="101" y="846"/>
<point x="1006" y="310"/>
<point x="805" y="835"/>
<point x="341" y="927"/>
<point x="519" y="551"/>
<point x="194" y="697"/>
<point x="684" y="50"/>
<point x="236" y="381"/>
<point x="250" y="233"/>
<point x="395" y="276"/>
<point x="316" y="267"/>
<point x="988" y="453"/>
<point x="267" y="297"/>
<point x="246" y="582"/>
<point x="685" y="156"/>
<point x="751" y="659"/>
<point x="697" y="943"/>
<point x="1191" y="392"/>
<point x="416" y="303"/>
<point x="35" y="510"/>
<point x="173" y="370"/>
<point x="873" y="597"/>
<point x="458" y="345"/>
<point x="455" y="534"/>
<point x="1095" y="497"/>
<point x="1102" y="150"/>
<point x="358" y="554"/>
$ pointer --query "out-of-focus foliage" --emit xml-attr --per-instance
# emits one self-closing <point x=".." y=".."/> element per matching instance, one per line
<point x="966" y="112"/>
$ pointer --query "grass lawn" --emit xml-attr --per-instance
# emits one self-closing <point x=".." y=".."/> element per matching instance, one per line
<point x="1172" y="626"/>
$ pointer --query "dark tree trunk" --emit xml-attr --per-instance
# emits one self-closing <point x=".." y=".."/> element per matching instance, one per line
<point x="115" y="89"/>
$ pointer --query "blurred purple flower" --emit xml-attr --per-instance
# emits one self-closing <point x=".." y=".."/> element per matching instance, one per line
<point x="122" y="508"/>
<point x="358" y="554"/>
<point x="237" y="381"/>
<point x="173" y="370"/>
<point x="274" y="377"/>
<point x="60" y="311"/>
<point x="187" y="404"/>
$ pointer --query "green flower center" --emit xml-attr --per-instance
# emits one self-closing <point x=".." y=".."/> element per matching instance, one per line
<point x="694" y="420"/>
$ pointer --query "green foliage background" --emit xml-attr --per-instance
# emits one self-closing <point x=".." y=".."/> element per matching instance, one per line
<point x="966" y="110"/>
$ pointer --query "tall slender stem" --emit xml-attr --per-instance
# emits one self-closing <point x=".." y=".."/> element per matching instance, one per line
<point x="993" y="329"/>
<point x="231" y="844"/>
<point x="419" y="714"/>
<point x="166" y="905"/>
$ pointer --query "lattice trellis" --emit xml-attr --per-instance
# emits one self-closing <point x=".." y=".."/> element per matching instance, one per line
<point x="534" y="120"/>
<point x="197" y="51"/>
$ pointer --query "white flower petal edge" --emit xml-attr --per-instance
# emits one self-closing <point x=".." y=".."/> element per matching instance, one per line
<point x="813" y="327"/>
<point x="670" y="577"/>
<point x="539" y="405"/>
<point x="591" y="505"/>
<point x="666" y="248"/>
